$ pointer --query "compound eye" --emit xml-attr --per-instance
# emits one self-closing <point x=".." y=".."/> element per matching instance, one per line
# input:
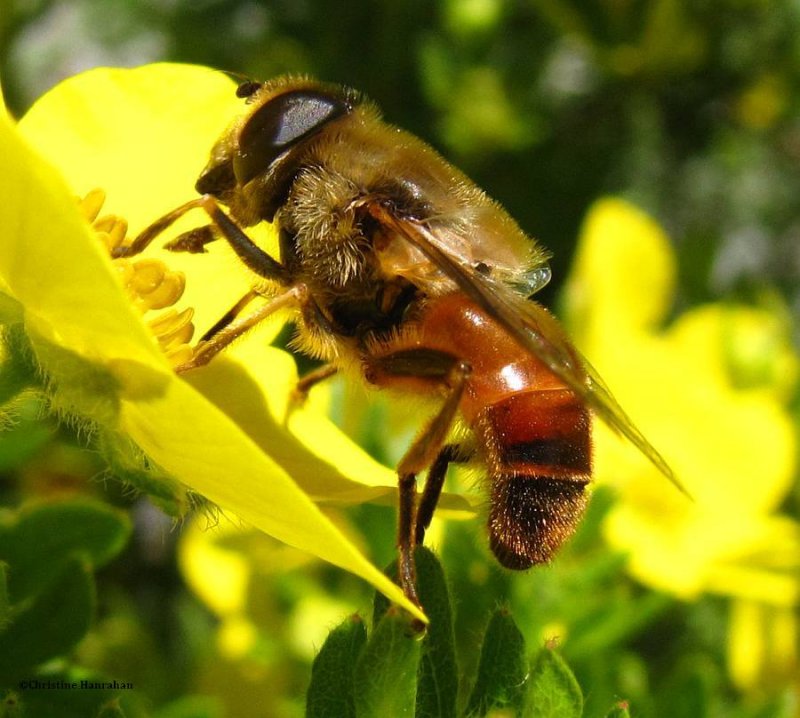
<point x="281" y="123"/>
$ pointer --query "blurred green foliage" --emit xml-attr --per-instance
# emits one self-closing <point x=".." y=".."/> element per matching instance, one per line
<point x="49" y="553"/>
<point x="691" y="109"/>
<point x="401" y="671"/>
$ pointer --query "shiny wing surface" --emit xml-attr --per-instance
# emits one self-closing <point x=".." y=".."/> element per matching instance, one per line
<point x="535" y="329"/>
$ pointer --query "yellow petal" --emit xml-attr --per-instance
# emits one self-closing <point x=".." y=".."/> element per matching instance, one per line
<point x="762" y="645"/>
<point x="746" y="644"/>
<point x="219" y="576"/>
<point x="191" y="439"/>
<point x="139" y="130"/>
<point x="712" y="409"/>
<point x="144" y="136"/>
<point x="732" y="449"/>
<point x="252" y="384"/>
<point x="623" y="274"/>
<point x="52" y="265"/>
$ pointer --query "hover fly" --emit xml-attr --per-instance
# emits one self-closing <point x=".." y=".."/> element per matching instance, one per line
<point x="406" y="275"/>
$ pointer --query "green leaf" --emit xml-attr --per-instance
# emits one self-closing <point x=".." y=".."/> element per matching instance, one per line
<point x="46" y="535"/>
<point x="502" y="669"/>
<point x="437" y="680"/>
<point x="331" y="692"/>
<point x="51" y="623"/>
<point x="620" y="710"/>
<point x="386" y="671"/>
<point x="552" y="690"/>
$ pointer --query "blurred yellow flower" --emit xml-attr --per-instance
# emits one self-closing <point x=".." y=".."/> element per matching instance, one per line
<point x="143" y="135"/>
<point x="227" y="568"/>
<point x="709" y="389"/>
<point x="762" y="645"/>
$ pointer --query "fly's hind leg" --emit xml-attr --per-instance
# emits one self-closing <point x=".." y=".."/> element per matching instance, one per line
<point x="306" y="382"/>
<point x="434" y="482"/>
<point x="232" y="326"/>
<point x="230" y="316"/>
<point x="447" y="371"/>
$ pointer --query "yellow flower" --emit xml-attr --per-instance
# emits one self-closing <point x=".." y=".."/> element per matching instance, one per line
<point x="143" y="136"/>
<point x="229" y="579"/>
<point x="762" y="645"/>
<point x="709" y="389"/>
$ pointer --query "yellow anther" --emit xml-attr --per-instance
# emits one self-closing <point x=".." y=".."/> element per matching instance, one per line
<point x="179" y="355"/>
<point x="114" y="227"/>
<point x="181" y="335"/>
<point x="92" y="203"/>
<point x="168" y="291"/>
<point x="149" y="283"/>
<point x="148" y="274"/>
<point x="172" y="327"/>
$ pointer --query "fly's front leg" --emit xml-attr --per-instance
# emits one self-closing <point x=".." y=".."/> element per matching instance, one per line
<point x="249" y="252"/>
<point x="444" y="370"/>
<point x="147" y="235"/>
<point x="233" y="323"/>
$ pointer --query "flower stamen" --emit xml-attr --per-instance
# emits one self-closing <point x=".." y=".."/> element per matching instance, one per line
<point x="149" y="283"/>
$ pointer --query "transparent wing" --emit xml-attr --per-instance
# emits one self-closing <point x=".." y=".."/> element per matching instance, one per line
<point x="533" y="327"/>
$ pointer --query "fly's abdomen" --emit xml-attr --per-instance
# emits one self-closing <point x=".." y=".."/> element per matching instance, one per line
<point x="538" y="451"/>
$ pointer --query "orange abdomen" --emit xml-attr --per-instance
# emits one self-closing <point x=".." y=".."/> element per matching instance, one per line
<point x="538" y="452"/>
<point x="533" y="432"/>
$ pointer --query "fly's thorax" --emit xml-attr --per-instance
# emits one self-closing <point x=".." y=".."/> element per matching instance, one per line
<point x="321" y="217"/>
